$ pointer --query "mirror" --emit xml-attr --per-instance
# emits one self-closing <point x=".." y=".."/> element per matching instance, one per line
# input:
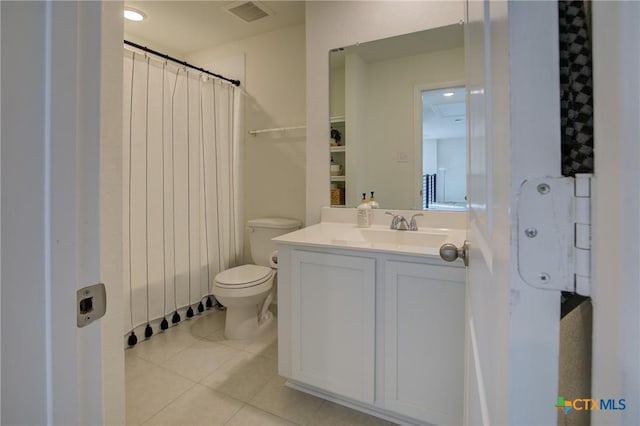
<point x="398" y="123"/>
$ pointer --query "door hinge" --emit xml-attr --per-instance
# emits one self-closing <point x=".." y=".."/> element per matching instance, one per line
<point x="554" y="233"/>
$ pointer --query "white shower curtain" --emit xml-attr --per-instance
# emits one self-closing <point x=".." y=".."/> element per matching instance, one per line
<point x="182" y="208"/>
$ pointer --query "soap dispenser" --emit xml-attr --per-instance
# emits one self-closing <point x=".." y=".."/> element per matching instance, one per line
<point x="364" y="213"/>
<point x="373" y="203"/>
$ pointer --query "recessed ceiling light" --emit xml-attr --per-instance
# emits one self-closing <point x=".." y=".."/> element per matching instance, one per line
<point x="133" y="15"/>
<point x="447" y="94"/>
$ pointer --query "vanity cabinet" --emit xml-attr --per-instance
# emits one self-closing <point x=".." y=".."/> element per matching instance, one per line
<point x="333" y="323"/>
<point x="380" y="332"/>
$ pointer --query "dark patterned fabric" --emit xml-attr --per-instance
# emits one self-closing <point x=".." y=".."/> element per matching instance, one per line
<point x="576" y="89"/>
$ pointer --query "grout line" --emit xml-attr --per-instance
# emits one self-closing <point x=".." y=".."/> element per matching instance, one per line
<point x="264" y="412"/>
<point x="168" y="403"/>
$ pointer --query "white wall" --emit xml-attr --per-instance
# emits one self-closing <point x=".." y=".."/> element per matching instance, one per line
<point x="337" y="91"/>
<point x="335" y="24"/>
<point x="429" y="156"/>
<point x="274" y="83"/>
<point x="355" y="126"/>
<point x="452" y="156"/>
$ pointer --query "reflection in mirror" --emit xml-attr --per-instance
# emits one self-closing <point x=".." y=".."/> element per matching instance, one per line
<point x="376" y="107"/>
<point x="444" y="148"/>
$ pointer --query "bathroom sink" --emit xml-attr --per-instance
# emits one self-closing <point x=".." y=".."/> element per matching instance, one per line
<point x="391" y="239"/>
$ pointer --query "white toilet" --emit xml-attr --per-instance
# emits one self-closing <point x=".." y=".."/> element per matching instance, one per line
<point x="247" y="290"/>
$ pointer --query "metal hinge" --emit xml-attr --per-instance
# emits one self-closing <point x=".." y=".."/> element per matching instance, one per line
<point x="554" y="233"/>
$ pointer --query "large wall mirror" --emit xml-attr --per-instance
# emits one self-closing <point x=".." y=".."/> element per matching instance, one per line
<point x="397" y="110"/>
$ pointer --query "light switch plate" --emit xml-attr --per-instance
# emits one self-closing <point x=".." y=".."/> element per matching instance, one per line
<point x="402" y="157"/>
<point x="91" y="304"/>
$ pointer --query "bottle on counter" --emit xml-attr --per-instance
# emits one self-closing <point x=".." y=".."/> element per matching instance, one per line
<point x="364" y="213"/>
<point x="372" y="202"/>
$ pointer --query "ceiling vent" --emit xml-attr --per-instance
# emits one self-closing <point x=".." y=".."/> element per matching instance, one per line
<point x="248" y="11"/>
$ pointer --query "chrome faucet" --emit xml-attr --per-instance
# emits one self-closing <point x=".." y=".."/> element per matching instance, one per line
<point x="413" y="226"/>
<point x="399" y="223"/>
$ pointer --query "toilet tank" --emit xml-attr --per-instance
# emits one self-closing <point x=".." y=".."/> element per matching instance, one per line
<point x="261" y="231"/>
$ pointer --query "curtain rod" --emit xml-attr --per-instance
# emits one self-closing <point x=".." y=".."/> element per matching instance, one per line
<point x="178" y="61"/>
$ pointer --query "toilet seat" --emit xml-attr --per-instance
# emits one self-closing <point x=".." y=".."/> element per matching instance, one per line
<point x="244" y="276"/>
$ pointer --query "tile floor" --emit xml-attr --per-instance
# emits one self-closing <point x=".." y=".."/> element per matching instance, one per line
<point x="191" y="375"/>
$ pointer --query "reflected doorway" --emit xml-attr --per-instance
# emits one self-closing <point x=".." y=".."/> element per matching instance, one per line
<point x="442" y="139"/>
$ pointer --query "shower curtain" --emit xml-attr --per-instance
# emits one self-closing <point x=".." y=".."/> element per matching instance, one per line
<point x="182" y="207"/>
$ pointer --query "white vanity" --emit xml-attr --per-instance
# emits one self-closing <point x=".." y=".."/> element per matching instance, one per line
<point x="373" y="318"/>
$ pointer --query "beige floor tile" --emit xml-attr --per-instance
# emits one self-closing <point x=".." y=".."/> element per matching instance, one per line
<point x="200" y="360"/>
<point x="149" y="388"/>
<point x="206" y="323"/>
<point x="133" y="365"/>
<point x="264" y="341"/>
<point x="255" y="345"/>
<point x="243" y="376"/>
<point x="338" y="415"/>
<point x="200" y="405"/>
<point x="282" y="401"/>
<point x="218" y="337"/>
<point x="270" y="351"/>
<point x="251" y="416"/>
<point x="164" y="345"/>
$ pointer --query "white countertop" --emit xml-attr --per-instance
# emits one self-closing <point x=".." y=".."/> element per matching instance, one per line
<point x="377" y="238"/>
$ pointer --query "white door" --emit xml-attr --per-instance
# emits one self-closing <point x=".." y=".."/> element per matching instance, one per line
<point x="60" y="228"/>
<point x="514" y="133"/>
<point x="616" y="208"/>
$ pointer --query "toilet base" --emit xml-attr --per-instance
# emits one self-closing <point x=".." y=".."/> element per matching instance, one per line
<point x="241" y="322"/>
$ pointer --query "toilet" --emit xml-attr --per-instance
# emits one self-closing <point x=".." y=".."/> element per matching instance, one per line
<point x="247" y="290"/>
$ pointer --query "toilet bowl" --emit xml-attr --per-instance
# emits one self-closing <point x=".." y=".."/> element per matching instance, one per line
<point x="247" y="291"/>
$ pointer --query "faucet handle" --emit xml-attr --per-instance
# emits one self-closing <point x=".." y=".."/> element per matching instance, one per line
<point x="413" y="226"/>
<point x="394" y="221"/>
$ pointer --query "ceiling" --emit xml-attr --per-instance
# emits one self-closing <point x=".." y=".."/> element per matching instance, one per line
<point x="181" y="27"/>
<point x="443" y="117"/>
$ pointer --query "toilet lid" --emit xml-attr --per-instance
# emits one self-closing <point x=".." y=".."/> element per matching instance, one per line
<point x="244" y="276"/>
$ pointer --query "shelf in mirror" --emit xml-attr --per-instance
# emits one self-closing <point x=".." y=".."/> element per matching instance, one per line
<point x="337" y="178"/>
<point x="338" y="148"/>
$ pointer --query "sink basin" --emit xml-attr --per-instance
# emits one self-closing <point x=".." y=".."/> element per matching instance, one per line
<point x="390" y="239"/>
<point x="377" y="238"/>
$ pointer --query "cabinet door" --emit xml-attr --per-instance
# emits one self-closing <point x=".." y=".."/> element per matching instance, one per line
<point x="424" y="341"/>
<point x="333" y="323"/>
